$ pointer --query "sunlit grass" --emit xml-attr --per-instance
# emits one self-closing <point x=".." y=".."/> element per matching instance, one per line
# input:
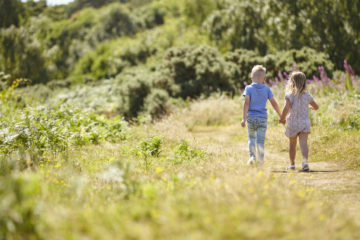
<point x="197" y="185"/>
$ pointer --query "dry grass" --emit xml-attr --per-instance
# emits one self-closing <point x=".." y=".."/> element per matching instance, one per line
<point x="215" y="196"/>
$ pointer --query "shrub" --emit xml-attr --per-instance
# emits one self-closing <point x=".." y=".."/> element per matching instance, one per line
<point x="234" y="26"/>
<point x="183" y="153"/>
<point x="21" y="56"/>
<point x="149" y="148"/>
<point x="196" y="11"/>
<point x="111" y="58"/>
<point x="150" y="15"/>
<point x="195" y="70"/>
<point x="157" y="103"/>
<point x="306" y="59"/>
<point x="114" y="21"/>
<point x="133" y="92"/>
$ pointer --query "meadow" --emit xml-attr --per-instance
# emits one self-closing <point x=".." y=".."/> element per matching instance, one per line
<point x="181" y="177"/>
<point x="120" y="119"/>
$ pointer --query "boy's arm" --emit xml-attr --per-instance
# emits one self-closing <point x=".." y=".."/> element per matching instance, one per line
<point x="314" y="105"/>
<point x="285" y="111"/>
<point x="245" y="110"/>
<point x="275" y="105"/>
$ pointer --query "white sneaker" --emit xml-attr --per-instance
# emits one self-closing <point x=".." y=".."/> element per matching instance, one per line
<point x="305" y="167"/>
<point x="251" y="161"/>
<point x="290" y="167"/>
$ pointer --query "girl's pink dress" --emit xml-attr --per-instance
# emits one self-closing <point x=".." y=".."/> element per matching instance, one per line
<point x="298" y="119"/>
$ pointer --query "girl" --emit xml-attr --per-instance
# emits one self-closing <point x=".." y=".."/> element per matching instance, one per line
<point x="298" y="122"/>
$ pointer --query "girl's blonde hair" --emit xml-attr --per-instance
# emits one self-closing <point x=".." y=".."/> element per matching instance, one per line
<point x="297" y="83"/>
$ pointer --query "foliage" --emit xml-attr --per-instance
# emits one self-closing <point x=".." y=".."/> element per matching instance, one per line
<point x="40" y="131"/>
<point x="157" y="103"/>
<point x="197" y="11"/>
<point x="195" y="70"/>
<point x="351" y="122"/>
<point x="184" y="153"/>
<point x="81" y="4"/>
<point x="133" y="93"/>
<point x="306" y="59"/>
<point x="11" y="13"/>
<point x="18" y="208"/>
<point x="237" y="24"/>
<point x="149" y="148"/>
<point x="267" y="27"/>
<point x="20" y="55"/>
<point x="111" y="58"/>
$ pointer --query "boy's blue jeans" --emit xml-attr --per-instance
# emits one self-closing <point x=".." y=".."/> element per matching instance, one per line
<point x="257" y="129"/>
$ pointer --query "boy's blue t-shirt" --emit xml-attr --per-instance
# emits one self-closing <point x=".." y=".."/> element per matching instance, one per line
<point x="259" y="93"/>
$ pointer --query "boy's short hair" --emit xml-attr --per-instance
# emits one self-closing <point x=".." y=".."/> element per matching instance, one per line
<point x="258" y="71"/>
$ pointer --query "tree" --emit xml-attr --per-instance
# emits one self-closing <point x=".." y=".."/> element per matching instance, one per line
<point x="11" y="13"/>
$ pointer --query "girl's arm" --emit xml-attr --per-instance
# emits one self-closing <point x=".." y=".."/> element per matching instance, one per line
<point x="245" y="110"/>
<point x="285" y="111"/>
<point x="275" y="105"/>
<point x="313" y="105"/>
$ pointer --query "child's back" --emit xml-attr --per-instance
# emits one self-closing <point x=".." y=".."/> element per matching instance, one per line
<point x="259" y="93"/>
<point x="255" y="113"/>
<point x="298" y="118"/>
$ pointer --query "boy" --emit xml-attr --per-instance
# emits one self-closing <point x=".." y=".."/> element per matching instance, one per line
<point x="255" y="112"/>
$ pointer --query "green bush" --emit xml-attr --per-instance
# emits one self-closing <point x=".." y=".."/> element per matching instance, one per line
<point x="306" y="59"/>
<point x="157" y="103"/>
<point x="111" y="58"/>
<point x="150" y="15"/>
<point x="114" y="21"/>
<point x="237" y="24"/>
<point x="149" y="148"/>
<point x="196" y="11"/>
<point x="195" y="70"/>
<point x="184" y="153"/>
<point x="133" y="92"/>
<point x="21" y="56"/>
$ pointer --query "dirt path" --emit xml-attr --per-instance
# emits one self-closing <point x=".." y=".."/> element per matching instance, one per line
<point x="336" y="183"/>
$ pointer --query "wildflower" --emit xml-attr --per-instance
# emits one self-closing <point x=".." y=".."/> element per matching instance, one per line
<point x="292" y="182"/>
<point x="251" y="189"/>
<point x="322" y="217"/>
<point x="301" y="194"/>
<point x="159" y="170"/>
<point x="57" y="165"/>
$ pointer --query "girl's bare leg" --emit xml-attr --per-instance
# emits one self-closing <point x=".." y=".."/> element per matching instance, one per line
<point x="292" y="149"/>
<point x="303" y="145"/>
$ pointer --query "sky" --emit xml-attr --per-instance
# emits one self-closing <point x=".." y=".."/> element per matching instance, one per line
<point x="55" y="2"/>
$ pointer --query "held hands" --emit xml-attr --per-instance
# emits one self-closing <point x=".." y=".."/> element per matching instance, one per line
<point x="282" y="121"/>
<point x="243" y="123"/>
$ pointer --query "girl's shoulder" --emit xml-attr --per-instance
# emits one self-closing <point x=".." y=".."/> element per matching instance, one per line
<point x="308" y="96"/>
<point x="289" y="96"/>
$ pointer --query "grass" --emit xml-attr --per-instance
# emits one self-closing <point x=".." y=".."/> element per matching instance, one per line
<point x="197" y="185"/>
